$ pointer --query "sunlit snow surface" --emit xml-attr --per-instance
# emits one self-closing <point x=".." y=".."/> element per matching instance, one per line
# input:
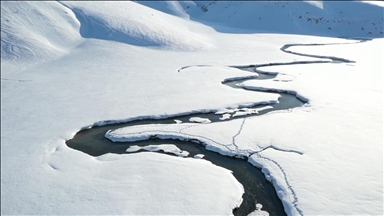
<point x="66" y="67"/>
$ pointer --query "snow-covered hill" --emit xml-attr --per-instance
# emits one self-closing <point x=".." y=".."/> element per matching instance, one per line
<point x="148" y="28"/>
<point x="44" y="30"/>
<point x="318" y="18"/>
<point x="32" y="31"/>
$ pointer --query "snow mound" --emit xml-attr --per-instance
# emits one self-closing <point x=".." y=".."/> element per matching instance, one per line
<point x="134" y="24"/>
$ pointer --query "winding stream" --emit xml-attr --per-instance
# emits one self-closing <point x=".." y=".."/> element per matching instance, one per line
<point x="92" y="141"/>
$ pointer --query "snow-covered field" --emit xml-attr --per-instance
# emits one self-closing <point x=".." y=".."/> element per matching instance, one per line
<point x="69" y="65"/>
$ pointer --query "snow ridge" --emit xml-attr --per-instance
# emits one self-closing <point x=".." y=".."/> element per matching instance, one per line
<point x="295" y="199"/>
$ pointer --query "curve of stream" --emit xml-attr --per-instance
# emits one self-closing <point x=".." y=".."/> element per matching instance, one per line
<point x="257" y="189"/>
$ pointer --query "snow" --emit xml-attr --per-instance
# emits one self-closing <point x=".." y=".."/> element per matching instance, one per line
<point x="283" y="78"/>
<point x="198" y="156"/>
<point x="272" y="85"/>
<point x="34" y="32"/>
<point x="178" y="121"/>
<point x="135" y="174"/>
<point x="250" y="111"/>
<point x="241" y="78"/>
<point x="134" y="148"/>
<point x="225" y="116"/>
<point x="168" y="148"/>
<point x="226" y="111"/>
<point x="66" y="66"/>
<point x="200" y="120"/>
